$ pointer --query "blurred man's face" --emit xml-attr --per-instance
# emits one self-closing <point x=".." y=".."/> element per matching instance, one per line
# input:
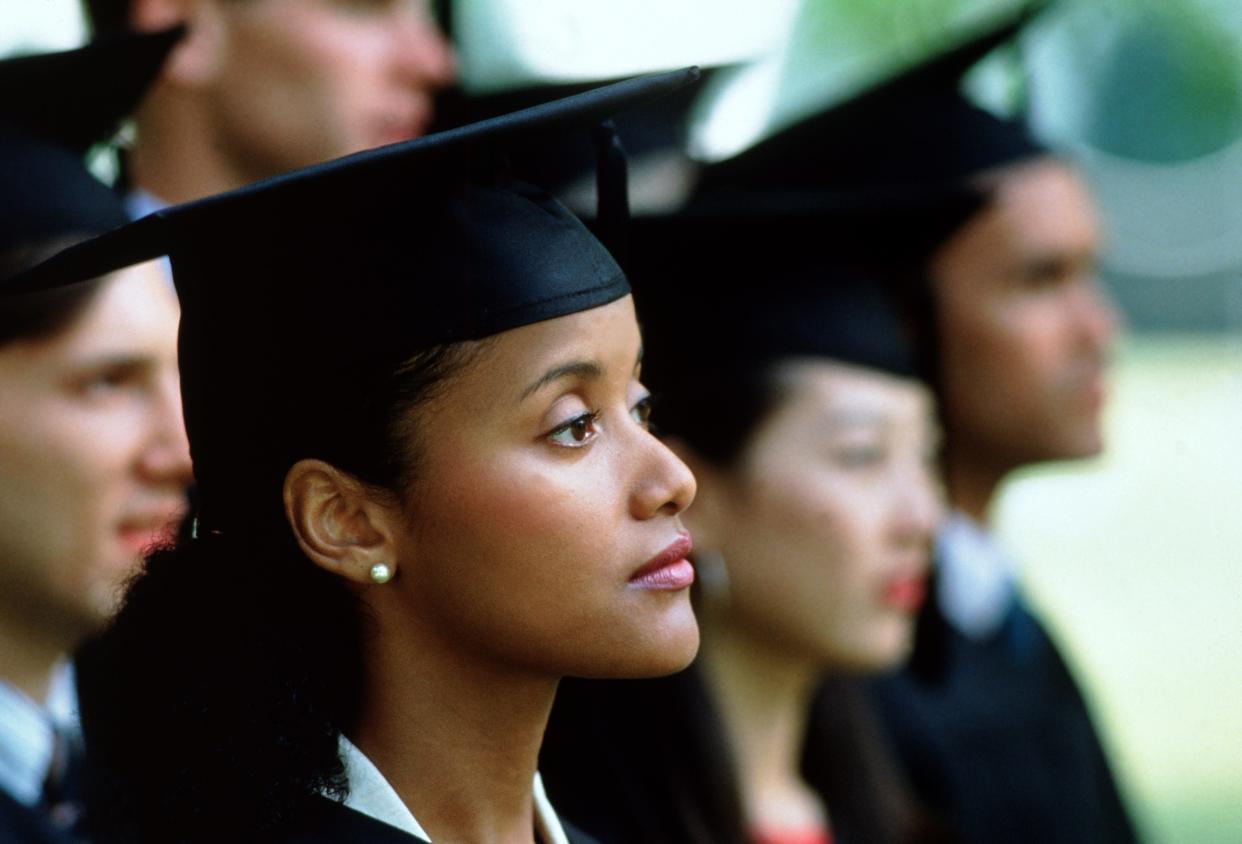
<point x="1025" y="327"/>
<point x="93" y="457"/>
<point x="297" y="82"/>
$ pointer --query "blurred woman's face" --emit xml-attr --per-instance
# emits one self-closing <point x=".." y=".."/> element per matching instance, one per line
<point x="543" y="531"/>
<point x="93" y="455"/>
<point x="825" y="524"/>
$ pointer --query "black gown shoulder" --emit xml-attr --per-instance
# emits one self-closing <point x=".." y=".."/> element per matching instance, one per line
<point x="326" y="821"/>
<point x="22" y="825"/>
<point x="996" y="737"/>
<point x="329" y="822"/>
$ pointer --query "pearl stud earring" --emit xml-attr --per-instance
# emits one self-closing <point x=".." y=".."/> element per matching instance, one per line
<point x="381" y="573"/>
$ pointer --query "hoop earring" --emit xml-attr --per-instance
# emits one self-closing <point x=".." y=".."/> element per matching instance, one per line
<point x="381" y="573"/>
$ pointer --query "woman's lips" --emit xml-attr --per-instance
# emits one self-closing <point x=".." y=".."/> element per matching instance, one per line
<point x="906" y="593"/>
<point x="669" y="570"/>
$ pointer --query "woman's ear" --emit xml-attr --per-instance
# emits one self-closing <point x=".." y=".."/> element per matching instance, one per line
<point x="707" y="516"/>
<point x="340" y="523"/>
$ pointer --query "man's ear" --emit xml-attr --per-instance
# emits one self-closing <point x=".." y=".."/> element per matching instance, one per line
<point x="708" y="515"/>
<point x="198" y="57"/>
<point x="340" y="523"/>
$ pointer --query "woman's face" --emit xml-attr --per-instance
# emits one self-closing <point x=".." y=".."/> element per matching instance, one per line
<point x="93" y="456"/>
<point x="543" y="503"/>
<point x="825" y="523"/>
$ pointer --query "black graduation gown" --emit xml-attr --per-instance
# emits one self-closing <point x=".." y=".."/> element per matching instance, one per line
<point x="995" y="736"/>
<point x="329" y="822"/>
<point x="22" y="825"/>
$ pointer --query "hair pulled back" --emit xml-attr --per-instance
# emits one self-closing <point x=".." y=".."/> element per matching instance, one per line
<point x="213" y="704"/>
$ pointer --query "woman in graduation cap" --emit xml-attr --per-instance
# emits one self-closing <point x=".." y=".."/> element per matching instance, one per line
<point x="93" y="457"/>
<point x="426" y="492"/>
<point x="988" y="720"/>
<point x="787" y="378"/>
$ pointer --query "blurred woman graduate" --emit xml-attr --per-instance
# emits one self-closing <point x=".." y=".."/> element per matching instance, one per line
<point x="427" y="492"/>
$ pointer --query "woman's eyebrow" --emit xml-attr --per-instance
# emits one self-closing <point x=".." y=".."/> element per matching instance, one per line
<point x="584" y="369"/>
<point x="856" y="419"/>
<point x="119" y="360"/>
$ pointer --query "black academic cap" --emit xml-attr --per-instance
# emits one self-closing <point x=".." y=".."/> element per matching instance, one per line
<point x="299" y="291"/>
<point x="738" y="294"/>
<point x="53" y="108"/>
<point x="907" y="138"/>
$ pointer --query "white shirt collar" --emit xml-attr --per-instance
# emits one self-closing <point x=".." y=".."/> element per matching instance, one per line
<point x="373" y="796"/>
<point x="976" y="577"/>
<point x="28" y="734"/>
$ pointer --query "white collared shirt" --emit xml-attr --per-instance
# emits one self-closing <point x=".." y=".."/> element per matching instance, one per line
<point x="976" y="577"/>
<point x="373" y="796"/>
<point x="28" y="734"/>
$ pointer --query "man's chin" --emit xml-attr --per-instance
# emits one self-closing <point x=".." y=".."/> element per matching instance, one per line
<point x="1082" y="446"/>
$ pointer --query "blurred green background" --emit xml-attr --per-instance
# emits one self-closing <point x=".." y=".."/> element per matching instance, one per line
<point x="1136" y="561"/>
<point x="1135" y="558"/>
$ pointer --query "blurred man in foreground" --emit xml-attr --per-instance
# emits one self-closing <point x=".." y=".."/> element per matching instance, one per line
<point x="93" y="456"/>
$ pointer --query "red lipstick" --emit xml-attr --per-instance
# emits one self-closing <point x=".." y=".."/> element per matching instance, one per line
<point x="669" y="570"/>
<point x="906" y="593"/>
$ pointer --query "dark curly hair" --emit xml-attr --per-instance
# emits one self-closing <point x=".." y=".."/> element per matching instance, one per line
<point x="213" y="704"/>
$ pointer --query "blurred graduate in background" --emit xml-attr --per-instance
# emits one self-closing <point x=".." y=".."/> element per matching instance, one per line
<point x="93" y="456"/>
<point x="259" y="87"/>
<point x="991" y="726"/>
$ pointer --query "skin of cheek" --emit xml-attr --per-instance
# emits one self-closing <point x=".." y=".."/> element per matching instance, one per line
<point x="1013" y="383"/>
<point x="530" y="565"/>
<point x="519" y="551"/>
<point x="311" y="83"/>
<point x="802" y="565"/>
<point x="71" y="460"/>
<point x="65" y="481"/>
<point x="811" y="544"/>
<point x="1022" y="367"/>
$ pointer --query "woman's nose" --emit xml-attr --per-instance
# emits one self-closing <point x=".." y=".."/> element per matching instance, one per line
<point x="665" y="485"/>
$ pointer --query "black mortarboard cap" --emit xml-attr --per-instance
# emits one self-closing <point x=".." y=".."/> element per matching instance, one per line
<point x="53" y="108"/>
<point x="733" y="294"/>
<point x="725" y="301"/>
<point x="907" y="138"/>
<point x="814" y="239"/>
<point x="336" y="273"/>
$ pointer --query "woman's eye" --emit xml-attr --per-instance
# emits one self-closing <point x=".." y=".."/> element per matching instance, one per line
<point x="577" y="432"/>
<point x="108" y="381"/>
<point x="860" y="457"/>
<point x="641" y="411"/>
